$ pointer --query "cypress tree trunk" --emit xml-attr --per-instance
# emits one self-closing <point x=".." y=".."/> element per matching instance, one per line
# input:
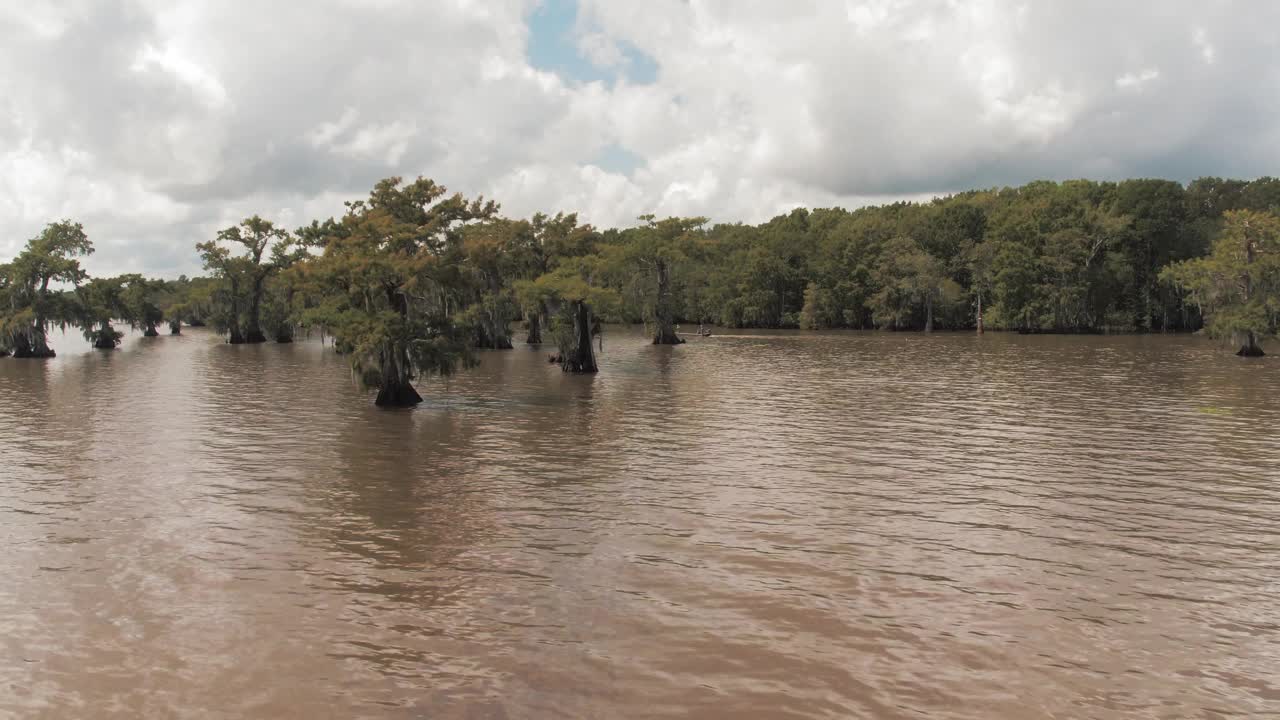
<point x="150" y="331"/>
<point x="32" y="344"/>
<point x="1250" y="347"/>
<point x="21" y="346"/>
<point x="663" y="313"/>
<point x="666" y="335"/>
<point x="490" y="336"/>
<point x="285" y="331"/>
<point x="175" y="327"/>
<point x="396" y="390"/>
<point x="254" y="334"/>
<point x="535" y="329"/>
<point x="928" y="313"/>
<point x="234" y="336"/>
<point x="106" y="339"/>
<point x="580" y="358"/>
<point x="979" y="313"/>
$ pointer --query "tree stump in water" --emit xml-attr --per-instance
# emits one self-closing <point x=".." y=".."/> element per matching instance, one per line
<point x="397" y="395"/>
<point x="1250" y="346"/>
<point x="24" y="348"/>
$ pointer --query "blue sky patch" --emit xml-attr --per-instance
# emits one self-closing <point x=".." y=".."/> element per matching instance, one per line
<point x="554" y="47"/>
<point x="616" y="159"/>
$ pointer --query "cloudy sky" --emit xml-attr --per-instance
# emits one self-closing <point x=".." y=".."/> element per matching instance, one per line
<point x="155" y="122"/>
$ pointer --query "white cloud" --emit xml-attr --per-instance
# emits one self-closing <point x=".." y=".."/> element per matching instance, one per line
<point x="1201" y="40"/>
<point x="156" y="122"/>
<point x="198" y="78"/>
<point x="1133" y="80"/>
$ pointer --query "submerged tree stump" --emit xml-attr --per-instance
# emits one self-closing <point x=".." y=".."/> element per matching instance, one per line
<point x="667" y="336"/>
<point x="1249" y="346"/>
<point x="535" y="331"/>
<point x="24" y="347"/>
<point x="397" y="395"/>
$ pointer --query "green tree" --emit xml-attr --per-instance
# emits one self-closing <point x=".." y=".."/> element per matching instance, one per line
<point x="246" y="274"/>
<point x="142" y="303"/>
<point x="553" y="240"/>
<point x="33" y="305"/>
<point x="390" y="275"/>
<point x="101" y="301"/>
<point x="281" y="309"/>
<point x="909" y="277"/>
<point x="651" y="256"/>
<point x="1238" y="284"/>
<point x="979" y="261"/>
<point x="227" y="298"/>
<point x="575" y="298"/>
<point x="496" y="252"/>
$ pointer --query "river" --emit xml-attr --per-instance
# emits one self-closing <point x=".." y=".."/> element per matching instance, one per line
<point x="752" y="525"/>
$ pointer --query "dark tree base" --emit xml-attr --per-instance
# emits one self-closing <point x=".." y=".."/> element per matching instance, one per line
<point x="668" y="339"/>
<point x="253" y="337"/>
<point x="535" y="331"/>
<point x="151" y="332"/>
<point x="578" y="365"/>
<point x="22" y="348"/>
<point x="1250" y="350"/>
<point x="104" y="344"/>
<point x="570" y="364"/>
<point x="284" y="339"/>
<point x="401" y="395"/>
<point x="4" y="353"/>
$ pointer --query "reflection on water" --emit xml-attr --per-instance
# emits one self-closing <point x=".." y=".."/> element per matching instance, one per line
<point x="751" y="525"/>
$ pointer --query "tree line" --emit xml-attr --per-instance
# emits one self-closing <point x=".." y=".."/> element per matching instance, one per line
<point x="412" y="280"/>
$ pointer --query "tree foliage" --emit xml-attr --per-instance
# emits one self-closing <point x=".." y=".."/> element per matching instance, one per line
<point x="1238" y="284"/>
<point x="411" y="280"/>
<point x="391" y="274"/>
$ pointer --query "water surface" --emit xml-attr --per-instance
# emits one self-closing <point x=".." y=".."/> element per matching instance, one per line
<point x="753" y="525"/>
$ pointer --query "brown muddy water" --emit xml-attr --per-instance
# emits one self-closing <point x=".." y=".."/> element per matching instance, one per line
<point x="753" y="525"/>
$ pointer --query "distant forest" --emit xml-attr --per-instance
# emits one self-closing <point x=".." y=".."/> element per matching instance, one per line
<point x="411" y="279"/>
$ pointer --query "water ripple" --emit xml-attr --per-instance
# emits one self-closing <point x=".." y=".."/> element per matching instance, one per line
<point x="751" y="525"/>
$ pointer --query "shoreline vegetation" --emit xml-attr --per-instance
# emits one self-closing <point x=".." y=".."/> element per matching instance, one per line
<point x="412" y="280"/>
